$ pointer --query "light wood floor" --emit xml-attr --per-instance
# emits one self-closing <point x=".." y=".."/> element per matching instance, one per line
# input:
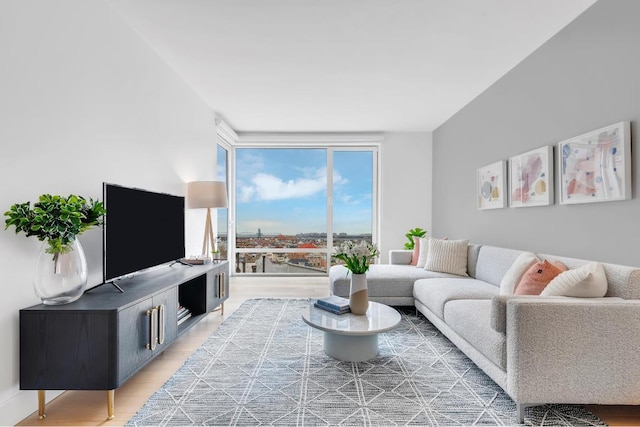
<point x="89" y="408"/>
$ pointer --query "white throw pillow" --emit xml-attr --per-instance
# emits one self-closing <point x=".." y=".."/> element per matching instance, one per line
<point x="516" y="271"/>
<point x="588" y="281"/>
<point x="424" y="250"/>
<point x="448" y="256"/>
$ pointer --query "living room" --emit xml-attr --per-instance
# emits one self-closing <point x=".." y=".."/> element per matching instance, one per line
<point x="86" y="101"/>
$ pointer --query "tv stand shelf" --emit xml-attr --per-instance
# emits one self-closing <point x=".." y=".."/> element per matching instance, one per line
<point x="101" y="340"/>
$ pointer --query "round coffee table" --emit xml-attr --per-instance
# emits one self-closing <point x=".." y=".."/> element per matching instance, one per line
<point x="351" y="337"/>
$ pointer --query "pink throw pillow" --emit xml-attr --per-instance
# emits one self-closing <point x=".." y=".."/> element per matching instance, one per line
<point x="538" y="276"/>
<point x="416" y="250"/>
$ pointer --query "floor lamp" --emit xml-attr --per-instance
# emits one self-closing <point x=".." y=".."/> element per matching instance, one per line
<point x="207" y="194"/>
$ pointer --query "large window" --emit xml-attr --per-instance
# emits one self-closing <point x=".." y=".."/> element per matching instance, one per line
<point x="293" y="204"/>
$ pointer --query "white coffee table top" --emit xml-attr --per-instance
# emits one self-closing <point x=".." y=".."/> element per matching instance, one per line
<point x="379" y="318"/>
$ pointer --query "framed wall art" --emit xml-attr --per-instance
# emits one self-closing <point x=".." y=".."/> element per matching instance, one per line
<point x="531" y="178"/>
<point x="596" y="166"/>
<point x="491" y="186"/>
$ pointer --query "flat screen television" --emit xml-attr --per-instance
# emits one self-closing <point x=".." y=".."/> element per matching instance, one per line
<point x="142" y="229"/>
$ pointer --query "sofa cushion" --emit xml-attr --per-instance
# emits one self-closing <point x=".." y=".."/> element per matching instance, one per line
<point x="435" y="293"/>
<point x="400" y="256"/>
<point x="416" y="250"/>
<point x="516" y="271"/>
<point x="471" y="319"/>
<point x="588" y="281"/>
<point x="538" y="276"/>
<point x="493" y="263"/>
<point x="423" y="251"/>
<point x="622" y="281"/>
<point x="448" y="256"/>
<point x="383" y="280"/>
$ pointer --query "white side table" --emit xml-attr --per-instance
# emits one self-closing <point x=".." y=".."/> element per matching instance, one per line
<point x="351" y="337"/>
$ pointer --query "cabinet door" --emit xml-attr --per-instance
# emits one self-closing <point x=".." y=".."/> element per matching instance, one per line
<point x="133" y="337"/>
<point x="213" y="300"/>
<point x="142" y="327"/>
<point x="223" y="285"/>
<point x="217" y="286"/>
<point x="67" y="350"/>
<point x="167" y="318"/>
<point x="223" y="282"/>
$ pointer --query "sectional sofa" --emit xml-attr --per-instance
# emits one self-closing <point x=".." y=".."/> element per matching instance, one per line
<point x="538" y="349"/>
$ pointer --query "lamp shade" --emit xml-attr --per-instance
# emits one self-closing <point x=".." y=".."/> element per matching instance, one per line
<point x="206" y="194"/>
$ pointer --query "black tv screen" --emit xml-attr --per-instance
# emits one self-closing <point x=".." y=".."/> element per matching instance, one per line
<point x="142" y="229"/>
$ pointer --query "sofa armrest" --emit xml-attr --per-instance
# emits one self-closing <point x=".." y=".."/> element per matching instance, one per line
<point x="400" y="256"/>
<point x="573" y="350"/>
<point x="499" y="307"/>
<point x="499" y="310"/>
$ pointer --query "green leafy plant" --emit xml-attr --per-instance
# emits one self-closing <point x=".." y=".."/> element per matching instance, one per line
<point x="416" y="232"/>
<point x="356" y="257"/>
<point x="55" y="219"/>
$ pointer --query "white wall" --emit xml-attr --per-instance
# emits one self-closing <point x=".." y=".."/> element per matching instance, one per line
<point x="405" y="193"/>
<point x="83" y="101"/>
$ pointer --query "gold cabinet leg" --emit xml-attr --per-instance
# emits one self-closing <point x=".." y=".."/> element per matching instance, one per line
<point x="41" y="414"/>
<point x="110" y="404"/>
<point x="222" y="309"/>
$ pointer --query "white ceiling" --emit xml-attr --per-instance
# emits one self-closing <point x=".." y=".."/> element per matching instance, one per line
<point x="343" y="65"/>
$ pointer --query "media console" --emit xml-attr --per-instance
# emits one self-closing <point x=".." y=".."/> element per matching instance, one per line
<point x="101" y="340"/>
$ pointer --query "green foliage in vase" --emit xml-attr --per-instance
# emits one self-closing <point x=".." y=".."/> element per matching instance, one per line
<point x="55" y="219"/>
<point x="356" y="257"/>
<point x="416" y="232"/>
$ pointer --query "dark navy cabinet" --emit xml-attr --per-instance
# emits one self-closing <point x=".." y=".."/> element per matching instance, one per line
<point x="99" y="341"/>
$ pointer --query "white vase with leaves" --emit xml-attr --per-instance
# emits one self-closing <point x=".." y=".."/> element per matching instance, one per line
<point x="61" y="267"/>
<point x="357" y="258"/>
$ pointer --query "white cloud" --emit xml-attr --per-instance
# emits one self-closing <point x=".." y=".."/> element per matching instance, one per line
<point x="264" y="186"/>
<point x="345" y="199"/>
<point x="245" y="192"/>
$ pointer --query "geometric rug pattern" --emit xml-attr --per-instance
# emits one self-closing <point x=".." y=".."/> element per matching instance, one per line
<point x="265" y="366"/>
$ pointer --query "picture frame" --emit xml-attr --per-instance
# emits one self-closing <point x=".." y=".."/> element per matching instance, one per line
<point x="531" y="178"/>
<point x="596" y="166"/>
<point x="491" y="186"/>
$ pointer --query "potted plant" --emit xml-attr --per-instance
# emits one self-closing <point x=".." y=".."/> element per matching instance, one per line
<point x="61" y="269"/>
<point x="356" y="258"/>
<point x="415" y="232"/>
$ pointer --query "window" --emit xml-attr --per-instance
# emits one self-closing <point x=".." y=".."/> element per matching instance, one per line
<point x="222" y="222"/>
<point x="292" y="203"/>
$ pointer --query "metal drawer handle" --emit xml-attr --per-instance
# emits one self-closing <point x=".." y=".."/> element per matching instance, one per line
<point x="223" y="279"/>
<point x="162" y="324"/>
<point x="153" y="328"/>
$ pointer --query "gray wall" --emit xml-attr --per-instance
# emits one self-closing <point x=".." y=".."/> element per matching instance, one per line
<point x="586" y="77"/>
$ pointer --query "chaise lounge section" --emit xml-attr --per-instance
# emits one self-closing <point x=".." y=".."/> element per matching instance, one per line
<point x="538" y="349"/>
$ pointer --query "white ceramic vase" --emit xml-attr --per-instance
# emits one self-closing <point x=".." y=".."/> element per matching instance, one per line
<point x="359" y="295"/>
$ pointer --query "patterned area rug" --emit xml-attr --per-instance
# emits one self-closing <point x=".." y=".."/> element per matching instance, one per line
<point x="265" y="366"/>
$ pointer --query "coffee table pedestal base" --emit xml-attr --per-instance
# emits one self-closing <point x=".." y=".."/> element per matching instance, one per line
<point x="351" y="348"/>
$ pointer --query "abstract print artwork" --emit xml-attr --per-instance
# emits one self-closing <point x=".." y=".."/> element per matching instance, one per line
<point x="531" y="178"/>
<point x="492" y="183"/>
<point x="596" y="166"/>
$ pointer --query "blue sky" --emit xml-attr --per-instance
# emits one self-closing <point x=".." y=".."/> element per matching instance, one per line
<point x="284" y="191"/>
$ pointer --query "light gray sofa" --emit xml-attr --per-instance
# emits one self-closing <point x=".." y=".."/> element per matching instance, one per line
<point x="538" y="349"/>
<point x="392" y="283"/>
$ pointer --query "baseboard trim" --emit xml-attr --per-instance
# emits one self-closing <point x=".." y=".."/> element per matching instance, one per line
<point x="21" y="405"/>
